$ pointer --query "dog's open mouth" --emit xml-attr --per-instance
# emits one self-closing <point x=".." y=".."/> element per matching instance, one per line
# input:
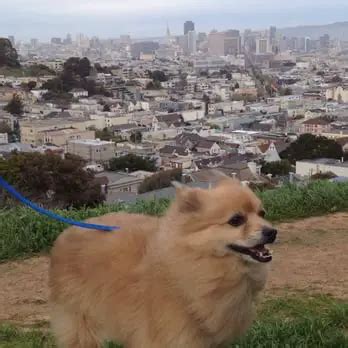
<point x="259" y="252"/>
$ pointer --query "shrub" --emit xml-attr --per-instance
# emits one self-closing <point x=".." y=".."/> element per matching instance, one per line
<point x="160" y="180"/>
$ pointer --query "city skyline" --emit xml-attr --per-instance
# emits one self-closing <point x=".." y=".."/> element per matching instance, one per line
<point x="38" y="19"/>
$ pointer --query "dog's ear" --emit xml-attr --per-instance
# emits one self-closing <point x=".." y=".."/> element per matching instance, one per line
<point x="188" y="199"/>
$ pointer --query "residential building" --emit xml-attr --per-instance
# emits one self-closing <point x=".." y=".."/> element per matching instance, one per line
<point x="322" y="165"/>
<point x="209" y="63"/>
<point x="317" y="125"/>
<point x="79" y="93"/>
<point x="95" y="151"/>
<point x="339" y="94"/>
<point x="210" y="147"/>
<point x="62" y="136"/>
<point x="115" y="182"/>
<point x="32" y="132"/>
<point x="3" y="138"/>
<point x="271" y="154"/>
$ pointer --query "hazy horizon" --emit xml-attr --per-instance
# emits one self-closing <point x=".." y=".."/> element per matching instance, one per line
<point x="44" y="19"/>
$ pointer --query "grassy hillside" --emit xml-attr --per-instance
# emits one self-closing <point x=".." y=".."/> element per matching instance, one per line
<point x="291" y="322"/>
<point x="23" y="232"/>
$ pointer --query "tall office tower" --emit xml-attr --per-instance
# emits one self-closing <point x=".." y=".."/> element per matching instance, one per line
<point x="192" y="42"/>
<point x="34" y="43"/>
<point x="272" y="34"/>
<point x="68" y="40"/>
<point x="56" y="41"/>
<point x="324" y="41"/>
<point x="308" y="44"/>
<point x="262" y="46"/>
<point x="216" y="43"/>
<point x="232" y="42"/>
<point x="188" y="26"/>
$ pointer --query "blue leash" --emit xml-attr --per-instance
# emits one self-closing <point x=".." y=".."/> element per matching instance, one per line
<point x="12" y="191"/>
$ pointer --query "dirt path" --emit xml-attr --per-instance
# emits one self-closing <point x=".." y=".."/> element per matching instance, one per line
<point x="311" y="255"/>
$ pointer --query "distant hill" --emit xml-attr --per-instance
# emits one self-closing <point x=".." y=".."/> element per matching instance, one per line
<point x="8" y="54"/>
<point x="337" y="30"/>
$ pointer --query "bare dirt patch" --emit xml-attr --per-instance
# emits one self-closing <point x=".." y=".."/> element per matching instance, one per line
<point x="311" y="256"/>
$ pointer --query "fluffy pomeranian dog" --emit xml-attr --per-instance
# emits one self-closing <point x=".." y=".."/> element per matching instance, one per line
<point x="187" y="279"/>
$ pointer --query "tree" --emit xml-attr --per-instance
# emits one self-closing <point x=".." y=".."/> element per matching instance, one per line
<point x="84" y="67"/>
<point x="31" y="85"/>
<point x="15" y="106"/>
<point x="160" y="180"/>
<point x="74" y="75"/>
<point x="136" y="137"/>
<point x="154" y="85"/>
<point x="280" y="168"/>
<point x="309" y="146"/>
<point x="8" y="54"/>
<point x="206" y="101"/>
<point x="54" y="85"/>
<point x="50" y="180"/>
<point x="336" y="79"/>
<point x="158" y="75"/>
<point x="285" y="91"/>
<point x="104" y="134"/>
<point x="5" y="128"/>
<point x="106" y="108"/>
<point x="132" y="163"/>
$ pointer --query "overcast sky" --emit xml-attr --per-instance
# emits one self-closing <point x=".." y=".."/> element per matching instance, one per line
<point x="144" y="18"/>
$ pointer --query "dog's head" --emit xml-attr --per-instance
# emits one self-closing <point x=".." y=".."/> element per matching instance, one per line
<point x="225" y="221"/>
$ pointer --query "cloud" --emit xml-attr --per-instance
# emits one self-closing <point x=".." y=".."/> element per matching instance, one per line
<point x="148" y="7"/>
<point x="109" y="18"/>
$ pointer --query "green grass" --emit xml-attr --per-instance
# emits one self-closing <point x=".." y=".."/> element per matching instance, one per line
<point x="23" y="232"/>
<point x="289" y="322"/>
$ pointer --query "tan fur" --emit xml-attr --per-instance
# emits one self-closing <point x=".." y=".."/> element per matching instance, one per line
<point x="160" y="282"/>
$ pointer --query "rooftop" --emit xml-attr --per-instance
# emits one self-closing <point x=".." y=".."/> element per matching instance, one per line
<point x="92" y="142"/>
<point x="318" y="120"/>
<point x="327" y="161"/>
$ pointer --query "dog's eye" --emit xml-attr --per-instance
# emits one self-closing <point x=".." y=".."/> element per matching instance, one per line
<point x="262" y="213"/>
<point x="237" y="220"/>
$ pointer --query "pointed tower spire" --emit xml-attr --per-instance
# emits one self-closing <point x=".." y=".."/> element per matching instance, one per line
<point x="168" y="31"/>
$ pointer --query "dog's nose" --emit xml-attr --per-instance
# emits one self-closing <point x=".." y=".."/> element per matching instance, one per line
<point x="270" y="234"/>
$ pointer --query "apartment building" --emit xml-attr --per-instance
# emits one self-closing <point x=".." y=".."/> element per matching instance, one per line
<point x="33" y="132"/>
<point x="93" y="151"/>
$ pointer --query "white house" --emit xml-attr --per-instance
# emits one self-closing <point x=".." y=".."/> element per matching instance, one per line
<point x="192" y="115"/>
<point x="3" y="138"/>
<point x="79" y="93"/>
<point x="322" y="165"/>
<point x="271" y="155"/>
<point x="339" y="94"/>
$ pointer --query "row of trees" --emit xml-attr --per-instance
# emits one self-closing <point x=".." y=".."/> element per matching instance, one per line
<point x="75" y="74"/>
<point x="132" y="163"/>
